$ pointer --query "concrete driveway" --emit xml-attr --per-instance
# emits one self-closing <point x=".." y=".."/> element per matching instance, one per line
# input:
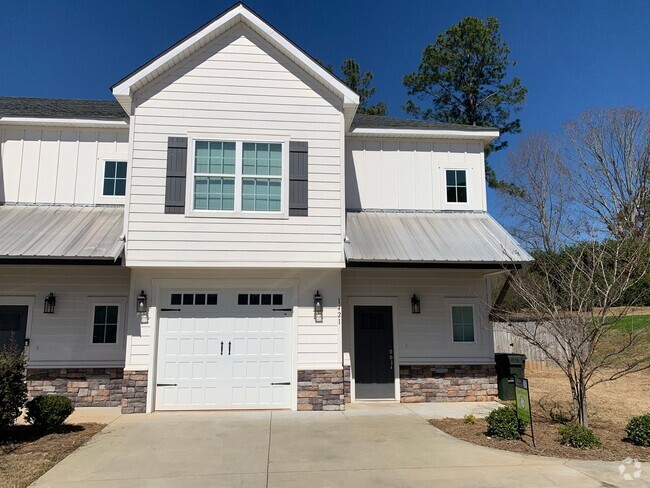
<point x="370" y="445"/>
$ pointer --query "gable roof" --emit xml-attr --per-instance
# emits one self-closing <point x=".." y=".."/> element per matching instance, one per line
<point x="61" y="108"/>
<point x="123" y="89"/>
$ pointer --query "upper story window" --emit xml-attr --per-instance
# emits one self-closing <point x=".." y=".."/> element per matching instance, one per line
<point x="456" y="186"/>
<point x="114" y="178"/>
<point x="462" y="319"/>
<point x="238" y="176"/>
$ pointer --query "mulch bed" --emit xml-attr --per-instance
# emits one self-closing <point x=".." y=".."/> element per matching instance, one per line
<point x="25" y="455"/>
<point x="614" y="447"/>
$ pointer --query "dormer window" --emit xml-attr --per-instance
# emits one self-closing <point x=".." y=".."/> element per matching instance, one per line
<point x="456" y="186"/>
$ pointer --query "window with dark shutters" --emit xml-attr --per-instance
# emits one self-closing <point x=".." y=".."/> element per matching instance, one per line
<point x="298" y="179"/>
<point x="176" y="175"/>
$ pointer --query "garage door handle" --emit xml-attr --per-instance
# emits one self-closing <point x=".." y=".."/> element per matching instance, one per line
<point x="282" y="310"/>
<point x="229" y="346"/>
<point x="222" y="348"/>
<point x="170" y="309"/>
<point x="286" y="383"/>
<point x="166" y="384"/>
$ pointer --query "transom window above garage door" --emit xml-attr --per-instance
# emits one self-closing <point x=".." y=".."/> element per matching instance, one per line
<point x="260" y="299"/>
<point x="194" y="299"/>
<point x="239" y="177"/>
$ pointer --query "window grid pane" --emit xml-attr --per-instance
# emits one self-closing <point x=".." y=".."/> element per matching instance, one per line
<point x="456" y="186"/>
<point x="214" y="193"/>
<point x="261" y="194"/>
<point x="214" y="157"/>
<point x="114" y="178"/>
<point x="463" y="323"/>
<point x="105" y="324"/>
<point x="262" y="159"/>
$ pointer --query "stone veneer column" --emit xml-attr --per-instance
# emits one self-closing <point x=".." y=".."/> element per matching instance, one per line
<point x="134" y="392"/>
<point x="347" y="384"/>
<point x="448" y="383"/>
<point x="320" y="390"/>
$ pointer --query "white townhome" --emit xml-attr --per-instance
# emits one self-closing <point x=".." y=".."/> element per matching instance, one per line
<point x="230" y="234"/>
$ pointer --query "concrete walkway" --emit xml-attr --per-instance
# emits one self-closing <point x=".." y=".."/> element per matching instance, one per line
<point x="378" y="445"/>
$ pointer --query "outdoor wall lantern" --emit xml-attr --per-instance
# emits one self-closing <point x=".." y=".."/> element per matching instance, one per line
<point x="50" y="301"/>
<point x="318" y="307"/>
<point x="415" y="304"/>
<point x="141" y="302"/>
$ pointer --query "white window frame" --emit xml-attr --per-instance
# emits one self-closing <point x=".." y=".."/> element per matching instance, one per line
<point x="451" y="320"/>
<point x="100" y="168"/>
<point x="444" y="180"/>
<point x="238" y="176"/>
<point x="120" y="303"/>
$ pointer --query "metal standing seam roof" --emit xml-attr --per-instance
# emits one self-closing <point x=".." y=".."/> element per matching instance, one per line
<point x="430" y="237"/>
<point x="68" y="232"/>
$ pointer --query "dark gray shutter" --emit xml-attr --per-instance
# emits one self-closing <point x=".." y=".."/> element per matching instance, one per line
<point x="298" y="178"/>
<point x="176" y="175"/>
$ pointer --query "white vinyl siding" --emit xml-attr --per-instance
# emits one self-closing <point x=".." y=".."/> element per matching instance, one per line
<point x="427" y="337"/>
<point x="407" y="174"/>
<point x="64" y="338"/>
<point x="237" y="88"/>
<point x="62" y="166"/>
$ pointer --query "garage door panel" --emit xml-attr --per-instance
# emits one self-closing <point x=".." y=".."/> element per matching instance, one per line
<point x="224" y="356"/>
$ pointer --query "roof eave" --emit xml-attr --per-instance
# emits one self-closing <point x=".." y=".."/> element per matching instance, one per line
<point x="64" y="122"/>
<point x="486" y="136"/>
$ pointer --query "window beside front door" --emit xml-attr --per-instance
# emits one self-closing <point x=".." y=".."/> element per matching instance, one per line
<point x="462" y="319"/>
<point x="238" y="177"/>
<point x="13" y="327"/>
<point x="105" y="324"/>
<point x="456" y="186"/>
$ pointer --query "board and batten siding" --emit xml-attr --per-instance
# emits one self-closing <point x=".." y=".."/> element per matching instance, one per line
<point x="409" y="174"/>
<point x="58" y="165"/>
<point x="238" y="86"/>
<point x="64" y="338"/>
<point x="317" y="345"/>
<point x="425" y="338"/>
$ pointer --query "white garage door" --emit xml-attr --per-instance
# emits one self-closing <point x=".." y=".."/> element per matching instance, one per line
<point x="224" y="350"/>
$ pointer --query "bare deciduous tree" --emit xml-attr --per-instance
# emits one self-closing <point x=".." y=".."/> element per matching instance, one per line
<point x="541" y="213"/>
<point x="571" y="294"/>
<point x="611" y="150"/>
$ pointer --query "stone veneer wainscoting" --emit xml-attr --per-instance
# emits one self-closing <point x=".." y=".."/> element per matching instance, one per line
<point x="92" y="387"/>
<point x="321" y="390"/>
<point x="448" y="383"/>
<point x="86" y="387"/>
<point x="347" y="385"/>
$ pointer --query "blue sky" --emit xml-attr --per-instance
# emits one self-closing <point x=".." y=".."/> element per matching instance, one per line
<point x="572" y="55"/>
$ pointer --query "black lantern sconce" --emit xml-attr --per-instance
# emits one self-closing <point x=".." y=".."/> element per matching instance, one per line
<point x="415" y="304"/>
<point x="318" y="307"/>
<point x="141" y="302"/>
<point x="50" y="302"/>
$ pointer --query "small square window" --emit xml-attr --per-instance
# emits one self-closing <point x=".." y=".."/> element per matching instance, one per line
<point x="188" y="299"/>
<point x="266" y="299"/>
<point x="176" y="299"/>
<point x="114" y="178"/>
<point x="105" y="324"/>
<point x="254" y="299"/>
<point x="199" y="299"/>
<point x="242" y="299"/>
<point x="212" y="299"/>
<point x="456" y="186"/>
<point x="277" y="299"/>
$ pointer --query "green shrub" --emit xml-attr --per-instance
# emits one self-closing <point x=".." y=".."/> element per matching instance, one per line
<point x="13" y="389"/>
<point x="579" y="436"/>
<point x="48" y="412"/>
<point x="638" y="430"/>
<point x="503" y="424"/>
<point x="469" y="418"/>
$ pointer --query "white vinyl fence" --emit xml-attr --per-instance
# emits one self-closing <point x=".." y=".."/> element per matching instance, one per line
<point x="505" y="341"/>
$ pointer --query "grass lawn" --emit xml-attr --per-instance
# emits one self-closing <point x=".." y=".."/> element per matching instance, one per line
<point x="633" y="323"/>
<point x="25" y="456"/>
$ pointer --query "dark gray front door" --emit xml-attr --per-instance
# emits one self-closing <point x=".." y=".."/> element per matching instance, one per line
<point x="13" y="326"/>
<point x="373" y="345"/>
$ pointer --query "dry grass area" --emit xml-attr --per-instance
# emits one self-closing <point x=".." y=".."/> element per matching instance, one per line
<point x="25" y="456"/>
<point x="610" y="406"/>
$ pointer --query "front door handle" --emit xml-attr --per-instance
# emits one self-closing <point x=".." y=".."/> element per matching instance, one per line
<point x="390" y="356"/>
